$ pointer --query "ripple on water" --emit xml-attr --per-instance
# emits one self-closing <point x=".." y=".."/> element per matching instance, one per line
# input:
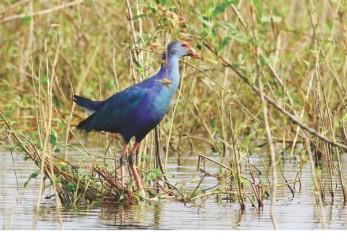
<point x="18" y="204"/>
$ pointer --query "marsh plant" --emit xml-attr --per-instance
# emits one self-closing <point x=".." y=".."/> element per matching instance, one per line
<point x="270" y="81"/>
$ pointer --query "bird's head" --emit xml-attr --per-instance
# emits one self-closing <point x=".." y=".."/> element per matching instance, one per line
<point x="182" y="48"/>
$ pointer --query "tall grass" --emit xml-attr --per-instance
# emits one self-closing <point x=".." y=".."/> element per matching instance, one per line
<point x="269" y="72"/>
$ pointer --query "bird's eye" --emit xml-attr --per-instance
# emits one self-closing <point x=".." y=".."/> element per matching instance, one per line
<point x="184" y="45"/>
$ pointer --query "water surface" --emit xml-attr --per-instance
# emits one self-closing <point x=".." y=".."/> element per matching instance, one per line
<point x="299" y="212"/>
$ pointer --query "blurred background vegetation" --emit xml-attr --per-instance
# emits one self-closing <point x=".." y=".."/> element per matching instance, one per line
<point x="293" y="51"/>
<point x="96" y="48"/>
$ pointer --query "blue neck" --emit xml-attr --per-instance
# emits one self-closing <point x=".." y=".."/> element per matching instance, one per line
<point x="170" y="69"/>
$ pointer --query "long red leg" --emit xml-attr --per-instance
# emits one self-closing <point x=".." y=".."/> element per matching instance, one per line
<point x="133" y="167"/>
<point x="122" y="165"/>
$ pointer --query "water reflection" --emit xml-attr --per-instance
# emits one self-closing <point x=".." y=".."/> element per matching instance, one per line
<point x="17" y="208"/>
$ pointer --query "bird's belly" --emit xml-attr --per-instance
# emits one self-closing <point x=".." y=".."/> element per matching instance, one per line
<point x="144" y="118"/>
<point x="154" y="112"/>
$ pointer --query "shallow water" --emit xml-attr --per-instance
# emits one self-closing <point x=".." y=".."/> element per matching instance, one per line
<point x="18" y="203"/>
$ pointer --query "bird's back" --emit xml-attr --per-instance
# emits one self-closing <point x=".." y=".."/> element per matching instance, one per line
<point x="136" y="109"/>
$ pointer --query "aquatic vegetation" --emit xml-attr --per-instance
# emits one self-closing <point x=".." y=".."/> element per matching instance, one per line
<point x="270" y="81"/>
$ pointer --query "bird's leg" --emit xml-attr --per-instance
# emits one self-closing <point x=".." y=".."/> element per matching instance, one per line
<point x="133" y="168"/>
<point x="122" y="165"/>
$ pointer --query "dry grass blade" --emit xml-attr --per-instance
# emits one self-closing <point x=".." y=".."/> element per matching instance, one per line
<point x="71" y="187"/>
<point x="42" y="12"/>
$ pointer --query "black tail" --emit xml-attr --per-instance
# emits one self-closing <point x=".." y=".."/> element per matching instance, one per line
<point x="85" y="124"/>
<point x="91" y="106"/>
<point x="85" y="102"/>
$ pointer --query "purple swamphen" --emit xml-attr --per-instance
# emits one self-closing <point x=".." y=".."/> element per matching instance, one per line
<point x="136" y="110"/>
